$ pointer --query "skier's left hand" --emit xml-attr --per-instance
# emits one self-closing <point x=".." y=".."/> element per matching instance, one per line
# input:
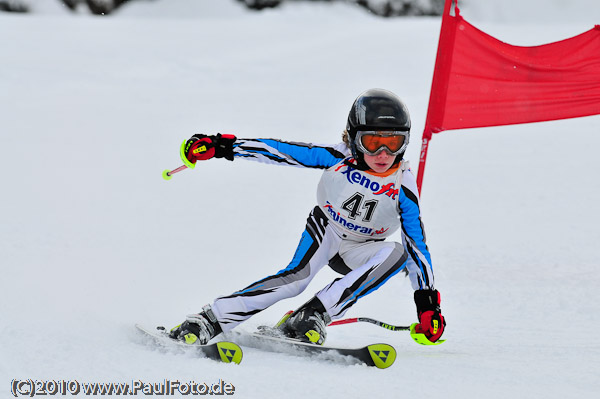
<point x="431" y="321"/>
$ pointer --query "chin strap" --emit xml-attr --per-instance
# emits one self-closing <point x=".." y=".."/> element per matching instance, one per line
<point x="358" y="165"/>
<point x="362" y="165"/>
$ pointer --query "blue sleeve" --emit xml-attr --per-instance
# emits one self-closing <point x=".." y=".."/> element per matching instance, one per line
<point x="279" y="152"/>
<point x="413" y="232"/>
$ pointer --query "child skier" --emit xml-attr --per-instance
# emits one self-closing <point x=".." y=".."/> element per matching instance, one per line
<point x="366" y="193"/>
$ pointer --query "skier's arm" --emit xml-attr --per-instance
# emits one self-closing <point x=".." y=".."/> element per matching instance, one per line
<point x="201" y="147"/>
<point x="427" y="298"/>
<point x="413" y="235"/>
<point x="277" y="152"/>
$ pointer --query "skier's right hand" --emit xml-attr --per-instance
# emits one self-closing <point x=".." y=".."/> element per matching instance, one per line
<point x="201" y="147"/>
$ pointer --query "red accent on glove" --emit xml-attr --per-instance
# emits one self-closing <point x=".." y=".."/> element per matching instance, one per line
<point x="431" y="323"/>
<point x="201" y="150"/>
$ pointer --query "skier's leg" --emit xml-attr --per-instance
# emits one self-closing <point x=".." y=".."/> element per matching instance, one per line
<point x="316" y="247"/>
<point x="378" y="262"/>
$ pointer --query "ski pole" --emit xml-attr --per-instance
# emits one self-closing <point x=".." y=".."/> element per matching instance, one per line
<point x="372" y="321"/>
<point x="417" y="337"/>
<point x="167" y="174"/>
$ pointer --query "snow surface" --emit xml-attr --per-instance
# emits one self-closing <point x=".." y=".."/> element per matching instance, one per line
<point x="93" y="240"/>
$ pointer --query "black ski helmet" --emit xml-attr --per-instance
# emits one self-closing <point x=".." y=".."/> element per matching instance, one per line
<point x="376" y="109"/>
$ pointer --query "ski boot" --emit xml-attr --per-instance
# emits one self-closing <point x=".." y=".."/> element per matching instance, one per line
<point x="198" y="328"/>
<point x="307" y="323"/>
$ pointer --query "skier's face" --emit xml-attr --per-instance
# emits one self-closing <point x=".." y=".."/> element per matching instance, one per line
<point x="381" y="162"/>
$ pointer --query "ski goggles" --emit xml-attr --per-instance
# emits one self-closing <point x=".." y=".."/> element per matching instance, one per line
<point x="372" y="142"/>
